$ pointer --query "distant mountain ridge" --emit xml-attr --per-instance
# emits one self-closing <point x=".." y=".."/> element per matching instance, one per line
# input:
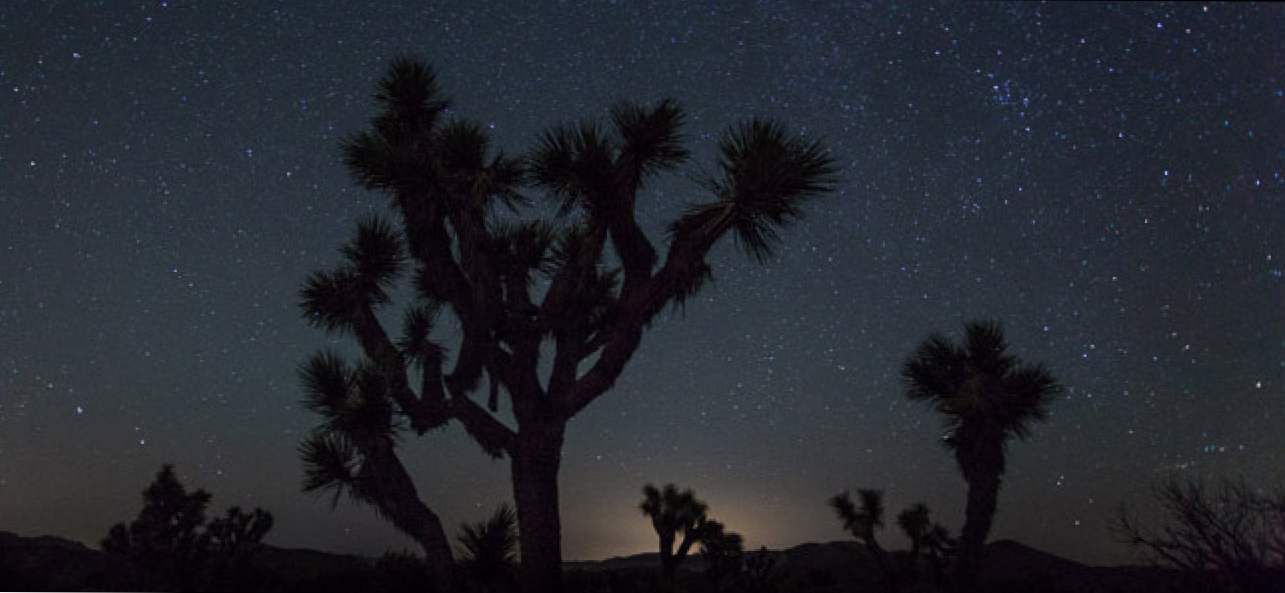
<point x="54" y="563"/>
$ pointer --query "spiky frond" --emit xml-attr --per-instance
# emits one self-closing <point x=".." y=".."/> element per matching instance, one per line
<point x="501" y="181"/>
<point x="872" y="506"/>
<point x="692" y="282"/>
<point x="369" y="159"/>
<point x="767" y="176"/>
<point x="651" y="139"/>
<point x="846" y="510"/>
<point x="987" y="349"/>
<point x="568" y="245"/>
<point x="462" y="147"/>
<point x="936" y="369"/>
<point x="860" y="521"/>
<point x="651" y="503"/>
<point x="395" y="154"/>
<point x="417" y="328"/>
<point x="395" y="165"/>
<point x="524" y="246"/>
<point x="333" y="300"/>
<point x="367" y="414"/>
<point x="1030" y="389"/>
<point x="671" y="509"/>
<point x="330" y="462"/>
<point x="914" y="521"/>
<point x="409" y="87"/>
<point x="575" y="164"/>
<point x="327" y="382"/>
<point x="983" y="392"/>
<point x="375" y="253"/>
<point x="490" y="547"/>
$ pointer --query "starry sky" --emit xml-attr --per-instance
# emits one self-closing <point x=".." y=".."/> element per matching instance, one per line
<point x="1105" y="179"/>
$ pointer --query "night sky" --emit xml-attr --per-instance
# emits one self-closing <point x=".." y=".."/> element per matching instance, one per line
<point x="1107" y="180"/>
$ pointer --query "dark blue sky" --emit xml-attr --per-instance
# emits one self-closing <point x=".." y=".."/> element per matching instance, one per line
<point x="1107" y="180"/>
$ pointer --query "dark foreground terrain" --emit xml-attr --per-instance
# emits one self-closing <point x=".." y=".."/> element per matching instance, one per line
<point x="52" y="563"/>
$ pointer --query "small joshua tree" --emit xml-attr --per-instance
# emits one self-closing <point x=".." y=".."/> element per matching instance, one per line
<point x="673" y="514"/>
<point x="987" y="397"/>
<point x="862" y="521"/>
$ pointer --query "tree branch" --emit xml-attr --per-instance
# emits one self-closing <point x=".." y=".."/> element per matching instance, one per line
<point x="637" y="306"/>
<point x="423" y="414"/>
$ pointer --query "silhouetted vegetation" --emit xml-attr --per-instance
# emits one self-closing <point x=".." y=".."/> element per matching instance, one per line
<point x="489" y="551"/>
<point x="723" y="553"/>
<point x="1227" y="537"/>
<point x="448" y="186"/>
<point x="940" y="548"/>
<point x="169" y="546"/>
<point x="673" y="513"/>
<point x="862" y="521"/>
<point x="988" y="397"/>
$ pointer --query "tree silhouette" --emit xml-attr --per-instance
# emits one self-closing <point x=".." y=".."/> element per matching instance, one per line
<point x="170" y="547"/>
<point x="673" y="513"/>
<point x="164" y="542"/>
<point x="862" y="522"/>
<point x="236" y="533"/>
<point x="447" y="185"/>
<point x="232" y="539"/>
<point x="915" y="523"/>
<point x="1228" y="537"/>
<point x="987" y="397"/>
<point x="940" y="548"/>
<point x="723" y="552"/>
<point x="761" y="575"/>
<point x="490" y="549"/>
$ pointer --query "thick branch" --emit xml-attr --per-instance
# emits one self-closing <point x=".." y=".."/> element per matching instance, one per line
<point x="636" y="308"/>
<point x="384" y="482"/>
<point x="434" y="409"/>
<point x="424" y="414"/>
<point x="492" y="435"/>
<point x="637" y="256"/>
<point x="570" y="277"/>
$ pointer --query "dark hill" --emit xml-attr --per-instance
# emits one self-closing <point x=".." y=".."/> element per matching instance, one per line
<point x="51" y="563"/>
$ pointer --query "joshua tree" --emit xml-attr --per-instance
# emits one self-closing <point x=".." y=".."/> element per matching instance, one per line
<point x="446" y="183"/>
<point x="672" y="514"/>
<point x="915" y="523"/>
<point x="722" y="550"/>
<point x="987" y="397"/>
<point x="862" y="523"/>
<point x="490" y="549"/>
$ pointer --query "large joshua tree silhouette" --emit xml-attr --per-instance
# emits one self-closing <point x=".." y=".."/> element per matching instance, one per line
<point x="987" y="398"/>
<point x="517" y="286"/>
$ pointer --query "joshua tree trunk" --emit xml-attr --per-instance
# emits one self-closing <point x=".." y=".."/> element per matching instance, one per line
<point x="666" y="562"/>
<point x="670" y="559"/>
<point x="536" y="457"/>
<point x="979" y="512"/>
<point x="395" y="495"/>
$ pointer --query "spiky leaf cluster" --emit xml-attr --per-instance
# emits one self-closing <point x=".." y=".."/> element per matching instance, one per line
<point x="982" y="391"/>
<point x="860" y="520"/>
